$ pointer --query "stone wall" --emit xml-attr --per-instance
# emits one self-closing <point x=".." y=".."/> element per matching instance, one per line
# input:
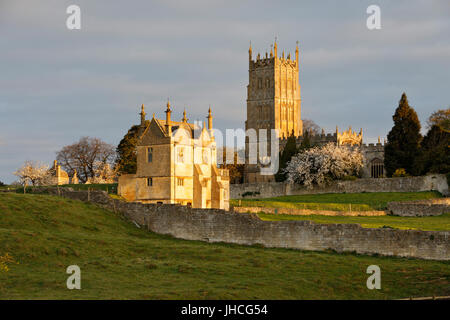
<point x="214" y="225"/>
<point x="420" y="208"/>
<point x="436" y="182"/>
<point x="307" y="212"/>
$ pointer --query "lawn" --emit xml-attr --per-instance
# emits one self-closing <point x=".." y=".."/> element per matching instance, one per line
<point x="436" y="223"/>
<point x="337" y="201"/>
<point x="45" y="234"/>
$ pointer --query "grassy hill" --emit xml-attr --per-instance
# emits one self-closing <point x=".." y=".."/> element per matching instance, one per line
<point x="45" y="234"/>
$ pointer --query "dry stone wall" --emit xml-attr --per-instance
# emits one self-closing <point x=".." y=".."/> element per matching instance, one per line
<point x="420" y="208"/>
<point x="307" y="212"/>
<point x="214" y="225"/>
<point x="436" y="182"/>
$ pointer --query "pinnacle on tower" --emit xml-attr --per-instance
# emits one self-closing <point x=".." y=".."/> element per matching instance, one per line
<point x="275" y="48"/>
<point x="168" y="112"/>
<point x="250" y="51"/>
<point x="142" y="115"/>
<point x="184" y="116"/>
<point x="209" y="117"/>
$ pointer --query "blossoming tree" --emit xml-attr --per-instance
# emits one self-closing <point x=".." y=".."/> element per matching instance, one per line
<point x="319" y="165"/>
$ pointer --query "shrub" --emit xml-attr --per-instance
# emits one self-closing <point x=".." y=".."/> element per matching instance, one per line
<point x="400" y="173"/>
<point x="349" y="178"/>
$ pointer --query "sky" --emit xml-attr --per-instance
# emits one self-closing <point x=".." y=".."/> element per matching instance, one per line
<point x="57" y="85"/>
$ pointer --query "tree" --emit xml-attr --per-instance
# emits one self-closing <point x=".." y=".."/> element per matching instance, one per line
<point x="311" y="126"/>
<point x="33" y="173"/>
<point x="85" y="156"/>
<point x="306" y="142"/>
<point x="440" y="118"/>
<point x="1" y="184"/>
<point x="320" y="165"/>
<point x="235" y="169"/>
<point x="126" y="150"/>
<point x="435" y="151"/>
<point x="403" y="143"/>
<point x="290" y="149"/>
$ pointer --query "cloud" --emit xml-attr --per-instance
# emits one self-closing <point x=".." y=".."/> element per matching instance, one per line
<point x="57" y="85"/>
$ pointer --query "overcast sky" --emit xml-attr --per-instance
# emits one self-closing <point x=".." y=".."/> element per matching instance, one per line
<point x="57" y="85"/>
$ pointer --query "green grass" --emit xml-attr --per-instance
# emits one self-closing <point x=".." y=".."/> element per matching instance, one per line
<point x="436" y="223"/>
<point x="109" y="187"/>
<point x="45" y="234"/>
<point x="337" y="201"/>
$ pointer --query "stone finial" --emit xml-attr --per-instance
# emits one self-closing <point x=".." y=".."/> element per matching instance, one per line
<point x="250" y="51"/>
<point x="142" y="115"/>
<point x="184" y="116"/>
<point x="275" y="47"/>
<point x="168" y="112"/>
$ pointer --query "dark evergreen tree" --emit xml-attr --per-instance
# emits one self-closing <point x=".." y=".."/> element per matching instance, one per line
<point x="126" y="150"/>
<point x="306" y="142"/>
<point x="290" y="149"/>
<point x="435" y="151"/>
<point x="402" y="148"/>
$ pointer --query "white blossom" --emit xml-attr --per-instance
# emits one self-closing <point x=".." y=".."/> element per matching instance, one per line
<point x="33" y="173"/>
<point x="319" y="165"/>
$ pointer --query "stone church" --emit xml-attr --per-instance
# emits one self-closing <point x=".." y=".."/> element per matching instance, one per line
<point x="176" y="164"/>
<point x="273" y="102"/>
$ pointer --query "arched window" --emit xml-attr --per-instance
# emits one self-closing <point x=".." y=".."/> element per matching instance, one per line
<point x="376" y="168"/>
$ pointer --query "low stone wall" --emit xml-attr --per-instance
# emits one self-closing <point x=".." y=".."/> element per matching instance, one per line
<point x="214" y="225"/>
<point x="420" y="208"/>
<point x="436" y="182"/>
<point x="307" y="212"/>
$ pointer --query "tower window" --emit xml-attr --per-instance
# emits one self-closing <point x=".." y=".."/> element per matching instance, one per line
<point x="149" y="182"/>
<point x="267" y="83"/>
<point x="149" y="154"/>
<point x="180" y="182"/>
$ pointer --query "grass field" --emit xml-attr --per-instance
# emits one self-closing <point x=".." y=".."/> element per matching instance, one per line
<point x="45" y="234"/>
<point x="436" y="223"/>
<point x="337" y="201"/>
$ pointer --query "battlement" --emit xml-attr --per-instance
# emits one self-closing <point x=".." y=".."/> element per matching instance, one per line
<point x="373" y="146"/>
<point x="272" y="58"/>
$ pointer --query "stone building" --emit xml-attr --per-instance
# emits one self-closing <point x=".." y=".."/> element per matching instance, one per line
<point x="176" y="164"/>
<point x="273" y="102"/>
<point x="58" y="175"/>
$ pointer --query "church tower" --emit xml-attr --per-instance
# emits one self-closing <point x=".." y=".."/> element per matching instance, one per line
<point x="273" y="93"/>
<point x="273" y="98"/>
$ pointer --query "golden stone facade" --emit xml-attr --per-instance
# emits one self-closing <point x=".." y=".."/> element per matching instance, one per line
<point x="176" y="164"/>
<point x="273" y="100"/>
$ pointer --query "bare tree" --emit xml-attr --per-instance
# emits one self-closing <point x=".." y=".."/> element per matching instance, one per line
<point x="310" y="125"/>
<point x="86" y="156"/>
